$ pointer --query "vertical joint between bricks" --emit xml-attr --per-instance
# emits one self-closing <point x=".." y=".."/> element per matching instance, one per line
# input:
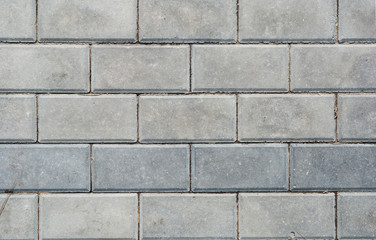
<point x="237" y="119"/>
<point x="37" y="116"/>
<point x="139" y="216"/>
<point x="36" y="21"/>
<point x="38" y="216"/>
<point x="289" y="71"/>
<point x="289" y="167"/>
<point x="237" y="21"/>
<point x="337" y="22"/>
<point x="190" y="67"/>
<point x="91" y="167"/>
<point x="138" y="117"/>
<point x="90" y="78"/>
<point x="138" y="22"/>
<point x="336" y="214"/>
<point x="237" y="216"/>
<point x="336" y="117"/>
<point x="190" y="168"/>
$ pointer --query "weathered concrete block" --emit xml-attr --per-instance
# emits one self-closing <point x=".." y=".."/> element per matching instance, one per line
<point x="356" y="215"/>
<point x="30" y="167"/>
<point x="287" y="20"/>
<point x="18" y="121"/>
<point x="88" y="216"/>
<point x="75" y="118"/>
<point x="239" y="167"/>
<point x="87" y="20"/>
<point x="140" y="167"/>
<point x="188" y="216"/>
<point x="333" y="68"/>
<point x="286" y="117"/>
<point x="44" y="68"/>
<point x="357" y="20"/>
<point x="19" y="219"/>
<point x="240" y="68"/>
<point x="333" y="167"/>
<point x="357" y="117"/>
<point x="188" y="21"/>
<point x="140" y="68"/>
<point x="283" y="215"/>
<point x="17" y="21"/>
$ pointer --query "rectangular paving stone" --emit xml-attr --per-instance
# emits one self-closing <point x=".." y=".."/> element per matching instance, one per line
<point x="356" y="215"/>
<point x="140" y="68"/>
<point x="286" y="215"/>
<point x="223" y="167"/>
<point x="18" y="121"/>
<point x="188" y="21"/>
<point x="192" y="118"/>
<point x="141" y="168"/>
<point x="240" y="68"/>
<point x="299" y="117"/>
<point x="75" y="118"/>
<point x="333" y="68"/>
<point x="333" y="167"/>
<point x="44" y="68"/>
<point x="19" y="219"/>
<point x="357" y="117"/>
<point x="18" y="21"/>
<point x="30" y="167"/>
<point x="188" y="216"/>
<point x="357" y="20"/>
<point x="88" y="216"/>
<point x="287" y="20"/>
<point x="87" y="20"/>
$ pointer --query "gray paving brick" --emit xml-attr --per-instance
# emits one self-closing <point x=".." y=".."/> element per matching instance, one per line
<point x="192" y="118"/>
<point x="44" y="68"/>
<point x="333" y="167"/>
<point x="75" y="118"/>
<point x="19" y="219"/>
<point x="87" y="20"/>
<point x="357" y="20"/>
<point x="30" y="167"/>
<point x="188" y="21"/>
<point x="333" y="68"/>
<point x="283" y="215"/>
<point x="188" y="216"/>
<point x="240" y="68"/>
<point x="17" y="21"/>
<point x="140" y="167"/>
<point x="287" y="20"/>
<point x="357" y="117"/>
<point x="140" y="68"/>
<point x="18" y="118"/>
<point x="270" y="117"/>
<point x="223" y="167"/>
<point x="88" y="216"/>
<point x="356" y="215"/>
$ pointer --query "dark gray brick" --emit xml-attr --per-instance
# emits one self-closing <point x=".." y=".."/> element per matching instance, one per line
<point x="140" y="167"/>
<point x="240" y="68"/>
<point x="30" y="167"/>
<point x="44" y="68"/>
<point x="280" y="215"/>
<point x="356" y="215"/>
<point x="333" y="167"/>
<point x="239" y="167"/>
<point x="188" y="216"/>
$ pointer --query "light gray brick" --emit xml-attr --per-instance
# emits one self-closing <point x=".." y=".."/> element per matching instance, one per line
<point x="88" y="216"/>
<point x="75" y="118"/>
<point x="140" y="68"/>
<point x="188" y="21"/>
<point x="357" y="117"/>
<point x="87" y="20"/>
<point x="19" y="219"/>
<point x="356" y="215"/>
<point x="140" y="167"/>
<point x="287" y="20"/>
<point x="38" y="68"/>
<point x="333" y="167"/>
<point x="223" y="167"/>
<point x="357" y="20"/>
<point x="273" y="117"/>
<point x="333" y="68"/>
<point x="286" y="215"/>
<point x="17" y="21"/>
<point x="30" y="167"/>
<point x="193" y="118"/>
<point x="188" y="216"/>
<point x="18" y="118"/>
<point x="240" y="68"/>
